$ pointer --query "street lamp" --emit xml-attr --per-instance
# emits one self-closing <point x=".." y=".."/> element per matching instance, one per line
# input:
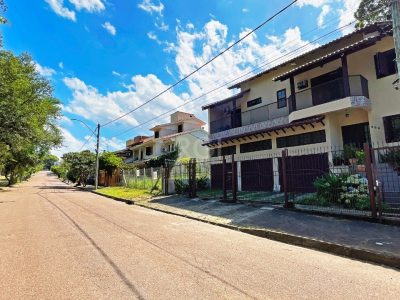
<point x="97" y="133"/>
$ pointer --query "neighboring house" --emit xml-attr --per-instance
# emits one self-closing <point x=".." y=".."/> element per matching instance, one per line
<point x="184" y="131"/>
<point x="337" y="94"/>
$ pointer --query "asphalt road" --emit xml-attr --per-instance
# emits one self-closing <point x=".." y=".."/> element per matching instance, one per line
<point x="57" y="242"/>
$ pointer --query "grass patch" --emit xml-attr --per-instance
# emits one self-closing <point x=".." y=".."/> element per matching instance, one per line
<point x="126" y="193"/>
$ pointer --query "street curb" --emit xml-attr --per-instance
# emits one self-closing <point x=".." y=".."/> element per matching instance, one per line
<point x="328" y="247"/>
<point x="129" y="202"/>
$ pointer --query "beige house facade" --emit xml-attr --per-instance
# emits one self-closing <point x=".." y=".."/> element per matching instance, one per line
<point x="337" y="94"/>
<point x="184" y="131"/>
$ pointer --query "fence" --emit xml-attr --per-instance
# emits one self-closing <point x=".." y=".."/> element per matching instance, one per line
<point x="149" y="179"/>
<point x="354" y="181"/>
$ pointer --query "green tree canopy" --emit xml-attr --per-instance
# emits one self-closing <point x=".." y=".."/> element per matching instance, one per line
<point x="49" y="160"/>
<point x="28" y="116"/>
<point x="80" y="165"/>
<point x="109" y="161"/>
<point x="371" y="11"/>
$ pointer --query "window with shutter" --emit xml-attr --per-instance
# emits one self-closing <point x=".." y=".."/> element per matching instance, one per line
<point x="391" y="126"/>
<point x="385" y="63"/>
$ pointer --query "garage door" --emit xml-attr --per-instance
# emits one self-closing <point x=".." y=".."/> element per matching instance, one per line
<point x="303" y="170"/>
<point x="217" y="176"/>
<point x="257" y="175"/>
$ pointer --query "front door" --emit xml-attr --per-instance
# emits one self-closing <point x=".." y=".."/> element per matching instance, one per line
<point x="356" y="134"/>
<point x="327" y="87"/>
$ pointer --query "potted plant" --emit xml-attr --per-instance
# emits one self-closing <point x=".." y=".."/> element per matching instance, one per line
<point x="360" y="156"/>
<point x="338" y="159"/>
<point x="349" y="152"/>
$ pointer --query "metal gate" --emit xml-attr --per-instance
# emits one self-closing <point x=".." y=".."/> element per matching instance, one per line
<point x="257" y="175"/>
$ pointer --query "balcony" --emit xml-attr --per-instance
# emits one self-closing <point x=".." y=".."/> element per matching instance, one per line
<point x="330" y="97"/>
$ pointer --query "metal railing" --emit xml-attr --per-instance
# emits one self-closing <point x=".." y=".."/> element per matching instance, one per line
<point x="329" y="91"/>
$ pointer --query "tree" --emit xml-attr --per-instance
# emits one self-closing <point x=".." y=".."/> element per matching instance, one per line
<point x="109" y="162"/>
<point x="80" y="165"/>
<point x="49" y="160"/>
<point x="371" y="11"/>
<point x="28" y="116"/>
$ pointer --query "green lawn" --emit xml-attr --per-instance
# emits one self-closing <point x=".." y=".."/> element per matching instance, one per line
<point x="126" y="193"/>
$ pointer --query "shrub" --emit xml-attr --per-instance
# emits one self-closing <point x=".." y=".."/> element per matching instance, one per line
<point x="330" y="186"/>
<point x="360" y="155"/>
<point x="181" y="186"/>
<point x="202" y="183"/>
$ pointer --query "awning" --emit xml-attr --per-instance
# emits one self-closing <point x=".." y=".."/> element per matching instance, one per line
<point x="237" y="96"/>
<point x="276" y="129"/>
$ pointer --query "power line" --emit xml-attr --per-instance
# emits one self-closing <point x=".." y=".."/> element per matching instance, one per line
<point x="235" y="79"/>
<point x="205" y="64"/>
<point x="87" y="141"/>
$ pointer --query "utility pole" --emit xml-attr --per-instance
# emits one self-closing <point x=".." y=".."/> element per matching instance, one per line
<point x="96" y="185"/>
<point x="396" y="31"/>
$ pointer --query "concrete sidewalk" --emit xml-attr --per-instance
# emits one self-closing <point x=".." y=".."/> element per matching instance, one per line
<point x="352" y="238"/>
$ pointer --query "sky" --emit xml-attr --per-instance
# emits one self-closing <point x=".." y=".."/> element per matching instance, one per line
<point x="107" y="57"/>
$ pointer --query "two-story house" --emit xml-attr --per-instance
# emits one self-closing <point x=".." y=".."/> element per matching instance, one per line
<point x="184" y="131"/>
<point x="339" y="93"/>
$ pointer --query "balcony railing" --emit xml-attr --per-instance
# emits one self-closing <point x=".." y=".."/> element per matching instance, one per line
<point x="330" y="91"/>
<point x="252" y="116"/>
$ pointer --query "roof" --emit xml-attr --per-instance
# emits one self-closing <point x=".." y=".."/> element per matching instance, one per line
<point x="237" y="96"/>
<point x="307" y="121"/>
<point x="382" y="27"/>
<point x="179" y="122"/>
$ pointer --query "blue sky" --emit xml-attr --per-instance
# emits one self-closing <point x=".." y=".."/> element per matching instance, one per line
<point x="105" y="57"/>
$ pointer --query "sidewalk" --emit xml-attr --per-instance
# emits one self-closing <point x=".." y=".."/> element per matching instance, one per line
<point x="352" y="238"/>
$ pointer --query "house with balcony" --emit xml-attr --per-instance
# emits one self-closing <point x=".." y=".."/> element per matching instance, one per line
<point x="184" y="131"/>
<point x="337" y="94"/>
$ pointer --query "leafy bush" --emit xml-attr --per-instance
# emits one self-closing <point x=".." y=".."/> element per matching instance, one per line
<point x="181" y="186"/>
<point x="360" y="155"/>
<point x="202" y="183"/>
<point x="350" y="191"/>
<point x="330" y="186"/>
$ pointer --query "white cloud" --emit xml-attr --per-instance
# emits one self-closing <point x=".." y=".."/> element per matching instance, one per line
<point x="110" y="28"/>
<point x="346" y="14"/>
<point x="44" y="71"/>
<point x="89" y="5"/>
<point x="73" y="144"/>
<point x="161" y="25"/>
<point x="315" y="3"/>
<point x="245" y="10"/>
<point x="151" y="35"/>
<point x="89" y="103"/>
<point x="58" y="7"/>
<point x="115" y="73"/>
<point x="321" y="18"/>
<point x="189" y="26"/>
<point x="191" y="49"/>
<point x="150" y="7"/>
<point x="61" y="65"/>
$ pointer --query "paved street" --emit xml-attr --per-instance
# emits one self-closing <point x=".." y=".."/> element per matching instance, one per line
<point x="57" y="242"/>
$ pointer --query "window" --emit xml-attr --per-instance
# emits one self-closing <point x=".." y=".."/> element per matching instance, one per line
<point x="180" y="127"/>
<point x="223" y="151"/>
<point x="385" y="63"/>
<point x="256" y="146"/>
<point x="301" y="139"/>
<point x="254" y="102"/>
<point x="392" y="128"/>
<point x="281" y="98"/>
<point x="156" y="134"/>
<point x="149" y="151"/>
